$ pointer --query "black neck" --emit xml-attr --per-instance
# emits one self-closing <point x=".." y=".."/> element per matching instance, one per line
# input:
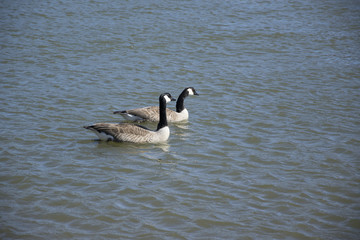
<point x="163" y="120"/>
<point x="180" y="102"/>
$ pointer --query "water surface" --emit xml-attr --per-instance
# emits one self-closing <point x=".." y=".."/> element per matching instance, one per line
<point x="271" y="149"/>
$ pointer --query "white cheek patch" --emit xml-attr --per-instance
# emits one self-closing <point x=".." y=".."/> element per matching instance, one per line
<point x="167" y="98"/>
<point x="190" y="91"/>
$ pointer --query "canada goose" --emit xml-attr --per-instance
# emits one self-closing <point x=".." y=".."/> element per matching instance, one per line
<point x="126" y="132"/>
<point x="152" y="113"/>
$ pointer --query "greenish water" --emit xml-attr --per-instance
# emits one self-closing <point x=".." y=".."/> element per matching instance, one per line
<point x="271" y="149"/>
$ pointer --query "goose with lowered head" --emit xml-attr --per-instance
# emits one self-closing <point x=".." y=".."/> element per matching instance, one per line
<point x="152" y="113"/>
<point x="126" y="132"/>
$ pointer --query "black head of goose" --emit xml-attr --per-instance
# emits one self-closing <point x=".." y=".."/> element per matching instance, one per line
<point x="152" y="113"/>
<point x="126" y="132"/>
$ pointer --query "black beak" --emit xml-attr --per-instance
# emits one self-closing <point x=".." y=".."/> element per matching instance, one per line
<point x="173" y="99"/>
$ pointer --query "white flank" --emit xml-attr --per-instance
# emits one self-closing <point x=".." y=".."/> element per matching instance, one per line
<point x="103" y="136"/>
<point x="131" y="117"/>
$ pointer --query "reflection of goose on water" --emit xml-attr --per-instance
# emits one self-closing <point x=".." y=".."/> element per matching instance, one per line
<point x="152" y="113"/>
<point x="126" y="132"/>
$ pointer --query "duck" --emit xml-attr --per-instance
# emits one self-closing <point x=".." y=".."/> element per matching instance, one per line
<point x="151" y="114"/>
<point x="127" y="132"/>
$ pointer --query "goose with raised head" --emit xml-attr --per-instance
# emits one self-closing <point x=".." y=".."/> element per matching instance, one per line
<point x="152" y="113"/>
<point x="126" y="132"/>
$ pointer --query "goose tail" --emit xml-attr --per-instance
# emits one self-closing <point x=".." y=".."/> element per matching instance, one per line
<point x="119" y="112"/>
